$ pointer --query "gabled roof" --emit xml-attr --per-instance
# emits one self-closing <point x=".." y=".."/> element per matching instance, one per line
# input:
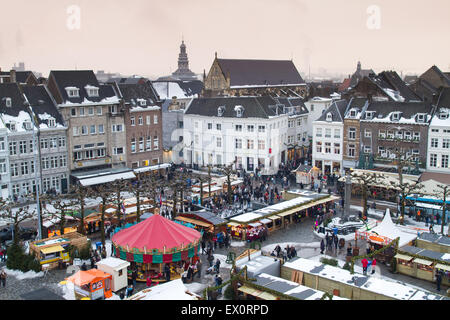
<point x="396" y="83"/>
<point x="21" y="76"/>
<point x="337" y="110"/>
<point x="80" y="79"/>
<point x="445" y="80"/>
<point x="408" y="110"/>
<point x="132" y="92"/>
<point x="245" y="72"/>
<point x="12" y="91"/>
<point x="42" y="104"/>
<point x="444" y="99"/>
<point x="254" y="107"/>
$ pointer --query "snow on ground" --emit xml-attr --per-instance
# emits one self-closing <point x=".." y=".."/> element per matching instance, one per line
<point x="238" y="243"/>
<point x="269" y="248"/>
<point x="23" y="275"/>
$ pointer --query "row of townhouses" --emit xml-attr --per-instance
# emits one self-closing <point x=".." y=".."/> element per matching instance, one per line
<point x="73" y="127"/>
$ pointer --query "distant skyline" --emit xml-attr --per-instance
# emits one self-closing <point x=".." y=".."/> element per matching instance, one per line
<point x="143" y="36"/>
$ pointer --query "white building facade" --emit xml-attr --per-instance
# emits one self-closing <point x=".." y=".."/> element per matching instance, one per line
<point x="438" y="159"/>
<point x="316" y="107"/>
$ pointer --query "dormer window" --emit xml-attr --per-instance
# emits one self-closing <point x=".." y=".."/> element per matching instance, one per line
<point x="8" y="102"/>
<point x="353" y="113"/>
<point x="143" y="103"/>
<point x="92" y="91"/>
<point x="369" y="115"/>
<point x="396" y="116"/>
<point x="51" y="123"/>
<point x="421" y="117"/>
<point x="12" y="126"/>
<point x="443" y="115"/>
<point x="73" y="92"/>
<point x="239" y="111"/>
<point x="27" y="125"/>
<point x="220" y="111"/>
<point x="329" y="116"/>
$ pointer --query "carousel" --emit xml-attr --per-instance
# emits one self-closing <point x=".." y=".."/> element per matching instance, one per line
<point x="155" y="242"/>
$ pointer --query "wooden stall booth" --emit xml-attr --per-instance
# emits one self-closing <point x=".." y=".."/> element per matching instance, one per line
<point x="51" y="252"/>
<point x="93" y="284"/>
<point x="117" y="268"/>
<point x="128" y="210"/>
<point x="154" y="243"/>
<point x="208" y="222"/>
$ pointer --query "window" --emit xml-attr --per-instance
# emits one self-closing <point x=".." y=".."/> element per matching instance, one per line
<point x="327" y="147"/>
<point x="62" y="161"/>
<point x="390" y="134"/>
<point x="143" y="102"/>
<point x="73" y="112"/>
<point x="14" y="170"/>
<point x="407" y="135"/>
<point x="219" y="159"/>
<point x="32" y="166"/>
<point x="329" y="117"/>
<point x="369" y="115"/>
<point x="250" y="128"/>
<point x="84" y="130"/>
<point x="155" y="119"/>
<point x="337" y="148"/>
<point x="99" y="111"/>
<point x="76" y="131"/>
<point x="209" y="126"/>
<point x="148" y="120"/>
<point x="82" y="112"/>
<point x="443" y="115"/>
<point x="319" y="132"/>
<point x="91" y="111"/>
<point x="133" y="145"/>
<point x="12" y="126"/>
<point x="53" y="162"/>
<point x="433" y="160"/>
<point x="53" y="142"/>
<point x="353" y="113"/>
<point x="337" y="133"/>
<point x="13" y="148"/>
<point x="367" y="149"/>
<point x="117" y="127"/>
<point x="219" y="127"/>
<point x="22" y="147"/>
<point x="2" y="166"/>
<point x="220" y="111"/>
<point x="445" y="143"/>
<point x="351" y="150"/>
<point x="118" y="150"/>
<point x="416" y="136"/>
<point x="112" y="109"/>
<point x="399" y="135"/>
<point x="148" y="146"/>
<point x="352" y="133"/>
<point x="141" y="121"/>
<point x="262" y="129"/>
<point x="24" y="168"/>
<point x="155" y="143"/>
<point x="101" y="129"/>
<point x="31" y="146"/>
<point x="319" y="147"/>
<point x="16" y="189"/>
<point x="327" y="133"/>
<point x="141" y="144"/>
<point x="238" y="128"/>
<point x="61" y="142"/>
<point x="2" y="144"/>
<point x="72" y="92"/>
<point x="420" y="117"/>
<point x="219" y="142"/>
<point x="133" y="121"/>
<point x="444" y="161"/>
<point x="78" y="155"/>
<point x="238" y="143"/>
<point x="434" y="142"/>
<point x="51" y="123"/>
<point x="368" y="133"/>
<point x="239" y="112"/>
<point x="396" y="116"/>
<point x="45" y="163"/>
<point x="261" y="145"/>
<point x="435" y="130"/>
<point x="101" y="153"/>
<point x="250" y="144"/>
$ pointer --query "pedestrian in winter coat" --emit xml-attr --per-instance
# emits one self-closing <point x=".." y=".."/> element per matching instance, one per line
<point x="210" y="260"/>
<point x="3" y="278"/>
<point x="364" y="263"/>
<point x="167" y="272"/>
<point x="217" y="266"/>
<point x="322" y="246"/>
<point x="438" y="280"/>
<point x="336" y="241"/>
<point x="374" y="263"/>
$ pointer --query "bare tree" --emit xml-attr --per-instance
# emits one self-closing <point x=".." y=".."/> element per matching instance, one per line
<point x="148" y="185"/>
<point x="81" y="194"/>
<point x="443" y="192"/>
<point x="15" y="216"/>
<point x="62" y="207"/>
<point x="365" y="180"/>
<point x="117" y="187"/>
<point x="228" y="171"/>
<point x="107" y="197"/>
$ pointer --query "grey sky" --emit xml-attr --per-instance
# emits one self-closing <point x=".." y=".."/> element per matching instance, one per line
<point x="143" y="36"/>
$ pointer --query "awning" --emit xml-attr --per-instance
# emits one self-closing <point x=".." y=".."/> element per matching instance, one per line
<point x="274" y="217"/>
<point x="153" y="168"/>
<point x="233" y="224"/>
<point x="106" y="178"/>
<point x="403" y="257"/>
<point x="442" y="267"/>
<point x="52" y="249"/>
<point x="254" y="224"/>
<point x="287" y="213"/>
<point x="249" y="290"/>
<point x="194" y="221"/>
<point x="265" y="221"/>
<point x="422" y="261"/>
<point x="267" y="296"/>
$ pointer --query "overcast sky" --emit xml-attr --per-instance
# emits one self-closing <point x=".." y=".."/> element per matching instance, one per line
<point x="143" y="36"/>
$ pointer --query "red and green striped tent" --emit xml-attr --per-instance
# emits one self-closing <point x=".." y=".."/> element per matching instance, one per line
<point x="156" y="240"/>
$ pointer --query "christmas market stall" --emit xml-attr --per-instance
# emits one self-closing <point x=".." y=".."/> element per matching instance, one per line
<point x="128" y="210"/>
<point x="154" y="243"/>
<point x="117" y="268"/>
<point x="212" y="225"/>
<point x="383" y="234"/>
<point x="52" y="252"/>
<point x="93" y="284"/>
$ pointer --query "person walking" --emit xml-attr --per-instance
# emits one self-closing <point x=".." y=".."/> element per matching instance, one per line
<point x="218" y="280"/>
<point x="374" y="263"/>
<point x="129" y="291"/>
<point x="217" y="266"/>
<point x="438" y="280"/>
<point x="336" y="241"/>
<point x="167" y="272"/>
<point x="322" y="246"/>
<point x="203" y="247"/>
<point x="210" y="259"/>
<point x="199" y="268"/>
<point x="3" y="278"/>
<point x="364" y="263"/>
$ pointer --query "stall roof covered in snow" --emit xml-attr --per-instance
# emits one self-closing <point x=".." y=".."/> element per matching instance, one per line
<point x="172" y="290"/>
<point x="435" y="238"/>
<point x="384" y="287"/>
<point x="114" y="263"/>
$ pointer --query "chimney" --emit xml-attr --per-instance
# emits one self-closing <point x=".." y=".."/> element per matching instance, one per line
<point x="369" y="97"/>
<point x="12" y="76"/>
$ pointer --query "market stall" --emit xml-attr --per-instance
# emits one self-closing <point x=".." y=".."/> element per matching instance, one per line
<point x="51" y="252"/>
<point x="128" y="211"/>
<point x="157" y="241"/>
<point x="117" y="268"/>
<point x="208" y="222"/>
<point x="93" y="284"/>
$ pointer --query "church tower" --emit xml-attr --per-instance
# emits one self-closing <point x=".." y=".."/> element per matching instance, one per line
<point x="183" y="72"/>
